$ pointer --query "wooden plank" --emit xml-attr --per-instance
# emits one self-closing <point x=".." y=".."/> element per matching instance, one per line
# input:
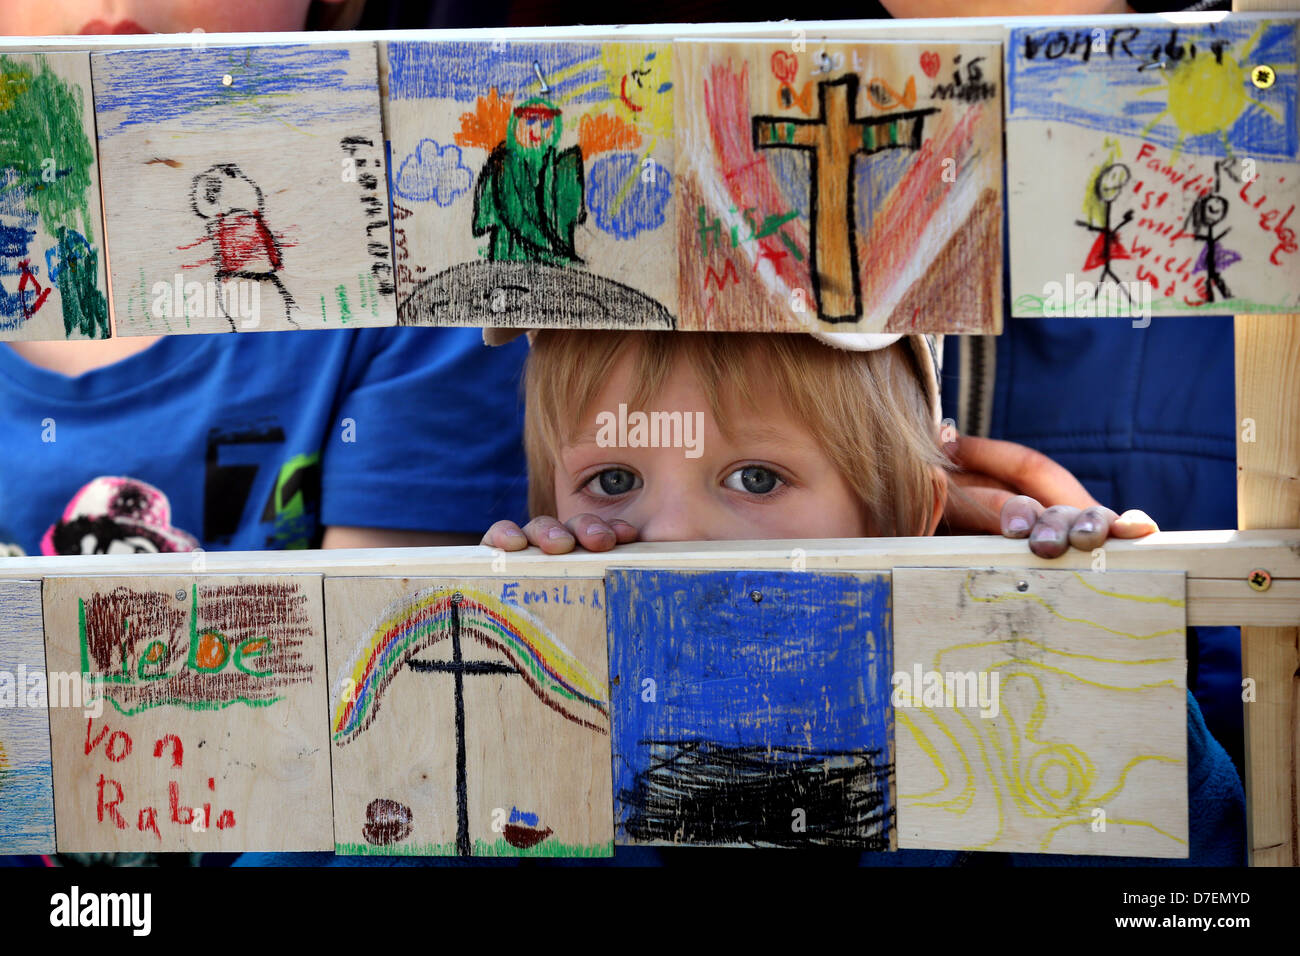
<point x="1065" y="730"/>
<point x="750" y="708"/>
<point x="245" y="188"/>
<point x="469" y="717"/>
<point x="1268" y="495"/>
<point x="52" y="278"/>
<point x="1149" y="174"/>
<point x="1227" y="556"/>
<point x="991" y="28"/>
<point x="1224" y="603"/>
<point x="210" y="734"/>
<point x="480" y="130"/>
<point x="850" y="187"/>
<point x="26" y="784"/>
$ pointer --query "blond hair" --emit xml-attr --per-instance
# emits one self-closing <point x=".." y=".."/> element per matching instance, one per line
<point x="867" y="410"/>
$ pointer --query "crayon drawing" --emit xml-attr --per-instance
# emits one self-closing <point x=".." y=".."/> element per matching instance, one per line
<point x="246" y="188"/>
<point x="204" y="726"/>
<point x="751" y="708"/>
<point x="26" y="782"/>
<point x="469" y="717"/>
<point x="849" y="187"/>
<point x="52" y="278"/>
<point x="1041" y="711"/>
<point x="533" y="183"/>
<point x="1154" y="170"/>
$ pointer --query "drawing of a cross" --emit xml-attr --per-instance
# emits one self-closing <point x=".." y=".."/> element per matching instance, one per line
<point x="458" y="667"/>
<point x="833" y="139"/>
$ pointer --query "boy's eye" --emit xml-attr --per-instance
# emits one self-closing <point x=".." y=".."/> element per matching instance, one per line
<point x="754" y="479"/>
<point x="613" y="481"/>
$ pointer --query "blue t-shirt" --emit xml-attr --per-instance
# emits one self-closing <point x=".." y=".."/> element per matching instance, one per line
<point x="260" y="441"/>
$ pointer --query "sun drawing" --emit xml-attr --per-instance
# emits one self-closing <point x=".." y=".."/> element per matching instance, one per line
<point x="1208" y="94"/>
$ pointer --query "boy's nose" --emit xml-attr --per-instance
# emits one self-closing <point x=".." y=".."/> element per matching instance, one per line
<point x="676" y="517"/>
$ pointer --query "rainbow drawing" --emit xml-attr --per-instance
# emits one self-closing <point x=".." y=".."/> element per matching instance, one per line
<point x="417" y="622"/>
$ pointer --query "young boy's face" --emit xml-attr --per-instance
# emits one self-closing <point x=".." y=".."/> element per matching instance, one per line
<point x="767" y="479"/>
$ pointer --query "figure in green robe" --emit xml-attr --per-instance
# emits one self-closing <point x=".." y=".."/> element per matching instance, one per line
<point x="529" y="195"/>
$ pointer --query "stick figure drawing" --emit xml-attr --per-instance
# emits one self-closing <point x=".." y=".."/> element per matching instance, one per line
<point x="231" y="205"/>
<point x="1207" y="212"/>
<point x="1107" y="248"/>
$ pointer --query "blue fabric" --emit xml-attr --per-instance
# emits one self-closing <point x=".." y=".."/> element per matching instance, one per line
<point x="260" y="441"/>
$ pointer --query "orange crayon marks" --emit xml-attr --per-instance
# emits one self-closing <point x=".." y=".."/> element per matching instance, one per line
<point x="486" y="126"/>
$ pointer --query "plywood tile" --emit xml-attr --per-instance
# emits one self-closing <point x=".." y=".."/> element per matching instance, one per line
<point x="469" y="716"/>
<point x="245" y="188"/>
<point x="533" y="183"/>
<point x="1041" y="711"/>
<point x="210" y="734"/>
<point x="26" y="791"/>
<point x="1154" y="170"/>
<point x="751" y="708"/>
<point x="52" y="275"/>
<point x="844" y="186"/>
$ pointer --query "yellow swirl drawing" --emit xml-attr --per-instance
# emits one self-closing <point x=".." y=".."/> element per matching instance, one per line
<point x="1027" y="772"/>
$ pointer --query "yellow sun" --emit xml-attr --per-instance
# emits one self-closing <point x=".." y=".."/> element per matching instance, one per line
<point x="1205" y="94"/>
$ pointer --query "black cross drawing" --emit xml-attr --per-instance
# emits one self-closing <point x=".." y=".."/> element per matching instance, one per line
<point x="458" y="667"/>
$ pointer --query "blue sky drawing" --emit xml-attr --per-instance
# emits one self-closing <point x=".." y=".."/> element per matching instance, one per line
<point x="147" y="87"/>
<point x="464" y="71"/>
<point x="1103" y="94"/>
<point x="738" y="672"/>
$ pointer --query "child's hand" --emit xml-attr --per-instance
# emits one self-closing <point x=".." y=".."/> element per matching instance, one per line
<point x="593" y="533"/>
<point x="1051" y="531"/>
<point x="999" y="488"/>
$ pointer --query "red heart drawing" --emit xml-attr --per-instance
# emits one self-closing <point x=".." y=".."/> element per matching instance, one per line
<point x="785" y="66"/>
<point x="930" y="63"/>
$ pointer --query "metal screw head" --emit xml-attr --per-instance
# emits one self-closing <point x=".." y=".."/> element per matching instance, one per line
<point x="756" y="596"/>
<point x="1259" y="579"/>
<point x="1262" y="76"/>
<point x="1022" y="585"/>
<point x="180" y="595"/>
